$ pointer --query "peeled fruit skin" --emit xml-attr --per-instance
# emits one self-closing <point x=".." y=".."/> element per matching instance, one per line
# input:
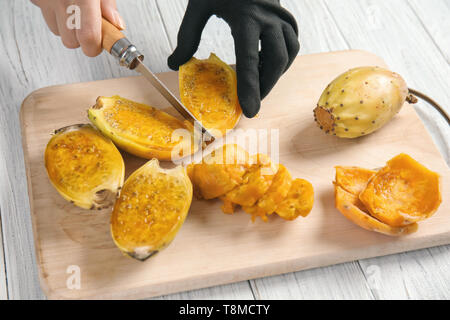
<point x="349" y="205"/>
<point x="391" y="200"/>
<point x="84" y="166"/>
<point x="142" y="130"/>
<point x="208" y="88"/>
<point x="353" y="179"/>
<point x="403" y="192"/>
<point x="151" y="209"/>
<point x="360" y="101"/>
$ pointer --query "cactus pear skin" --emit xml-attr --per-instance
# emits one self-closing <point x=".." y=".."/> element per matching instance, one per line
<point x="360" y="101"/>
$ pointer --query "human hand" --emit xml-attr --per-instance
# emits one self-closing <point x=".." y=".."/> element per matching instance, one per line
<point x="250" y="21"/>
<point x="89" y="34"/>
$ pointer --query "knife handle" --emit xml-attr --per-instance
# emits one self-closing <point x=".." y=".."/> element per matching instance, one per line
<point x="115" y="42"/>
<point x="110" y="35"/>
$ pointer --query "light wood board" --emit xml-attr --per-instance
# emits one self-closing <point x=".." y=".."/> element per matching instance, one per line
<point x="213" y="248"/>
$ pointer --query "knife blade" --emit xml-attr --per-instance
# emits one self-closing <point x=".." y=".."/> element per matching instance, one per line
<point x="115" y="42"/>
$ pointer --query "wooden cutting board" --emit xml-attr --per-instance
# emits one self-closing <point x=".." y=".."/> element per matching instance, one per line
<point x="213" y="248"/>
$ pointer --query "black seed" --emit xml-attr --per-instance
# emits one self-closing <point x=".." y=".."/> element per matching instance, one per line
<point x="356" y="118"/>
<point x="361" y="102"/>
<point x="346" y="129"/>
<point x="326" y="103"/>
<point x="363" y="133"/>
<point x="321" y="127"/>
<point x="373" y="121"/>
<point x="339" y="118"/>
<point x="328" y="92"/>
<point x="342" y="105"/>
<point x="343" y="91"/>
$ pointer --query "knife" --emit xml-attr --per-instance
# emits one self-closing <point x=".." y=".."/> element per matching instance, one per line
<point x="115" y="42"/>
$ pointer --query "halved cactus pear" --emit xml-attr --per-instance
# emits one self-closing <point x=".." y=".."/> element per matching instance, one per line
<point x="143" y="130"/>
<point x="84" y="166"/>
<point x="360" y="101"/>
<point x="208" y="88"/>
<point x="152" y="207"/>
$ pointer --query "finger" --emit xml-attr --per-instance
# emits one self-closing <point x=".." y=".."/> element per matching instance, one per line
<point x="110" y="13"/>
<point x="90" y="33"/>
<point x="189" y="36"/>
<point x="275" y="59"/>
<point x="50" y="19"/>
<point x="68" y="36"/>
<point x="292" y="44"/>
<point x="246" y="41"/>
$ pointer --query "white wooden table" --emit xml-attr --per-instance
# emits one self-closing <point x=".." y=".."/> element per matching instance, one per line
<point x="412" y="36"/>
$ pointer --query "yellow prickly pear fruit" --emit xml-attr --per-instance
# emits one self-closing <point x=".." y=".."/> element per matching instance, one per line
<point x="143" y="130"/>
<point x="361" y="101"/>
<point x="84" y="167"/>
<point x="152" y="207"/>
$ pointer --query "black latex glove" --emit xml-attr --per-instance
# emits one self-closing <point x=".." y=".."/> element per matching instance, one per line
<point x="250" y="21"/>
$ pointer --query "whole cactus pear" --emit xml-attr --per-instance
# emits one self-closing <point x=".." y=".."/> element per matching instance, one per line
<point x="361" y="101"/>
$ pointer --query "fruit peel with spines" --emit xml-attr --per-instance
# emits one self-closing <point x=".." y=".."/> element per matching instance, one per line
<point x="360" y="102"/>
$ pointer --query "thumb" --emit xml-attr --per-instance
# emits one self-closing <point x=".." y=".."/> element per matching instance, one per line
<point x="110" y="13"/>
<point x="189" y="35"/>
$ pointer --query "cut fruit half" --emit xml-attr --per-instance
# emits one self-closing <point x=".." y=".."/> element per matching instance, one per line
<point x="152" y="207"/>
<point x="208" y="88"/>
<point x="142" y="130"/>
<point x="84" y="166"/>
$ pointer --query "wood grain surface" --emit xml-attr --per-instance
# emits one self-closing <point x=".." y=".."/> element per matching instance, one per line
<point x="213" y="248"/>
<point x="411" y="35"/>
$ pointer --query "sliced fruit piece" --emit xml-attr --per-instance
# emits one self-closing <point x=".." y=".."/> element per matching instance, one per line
<point x="299" y="201"/>
<point x="256" y="182"/>
<point x="84" y="166"/>
<point x="208" y="88"/>
<point x="152" y="207"/>
<point x="143" y="130"/>
<point x="276" y="194"/>
<point x="403" y="192"/>
<point x="350" y="206"/>
<point x="220" y="171"/>
<point x="353" y="179"/>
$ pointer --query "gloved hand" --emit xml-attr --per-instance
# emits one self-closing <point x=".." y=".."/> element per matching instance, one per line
<point x="250" y="21"/>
